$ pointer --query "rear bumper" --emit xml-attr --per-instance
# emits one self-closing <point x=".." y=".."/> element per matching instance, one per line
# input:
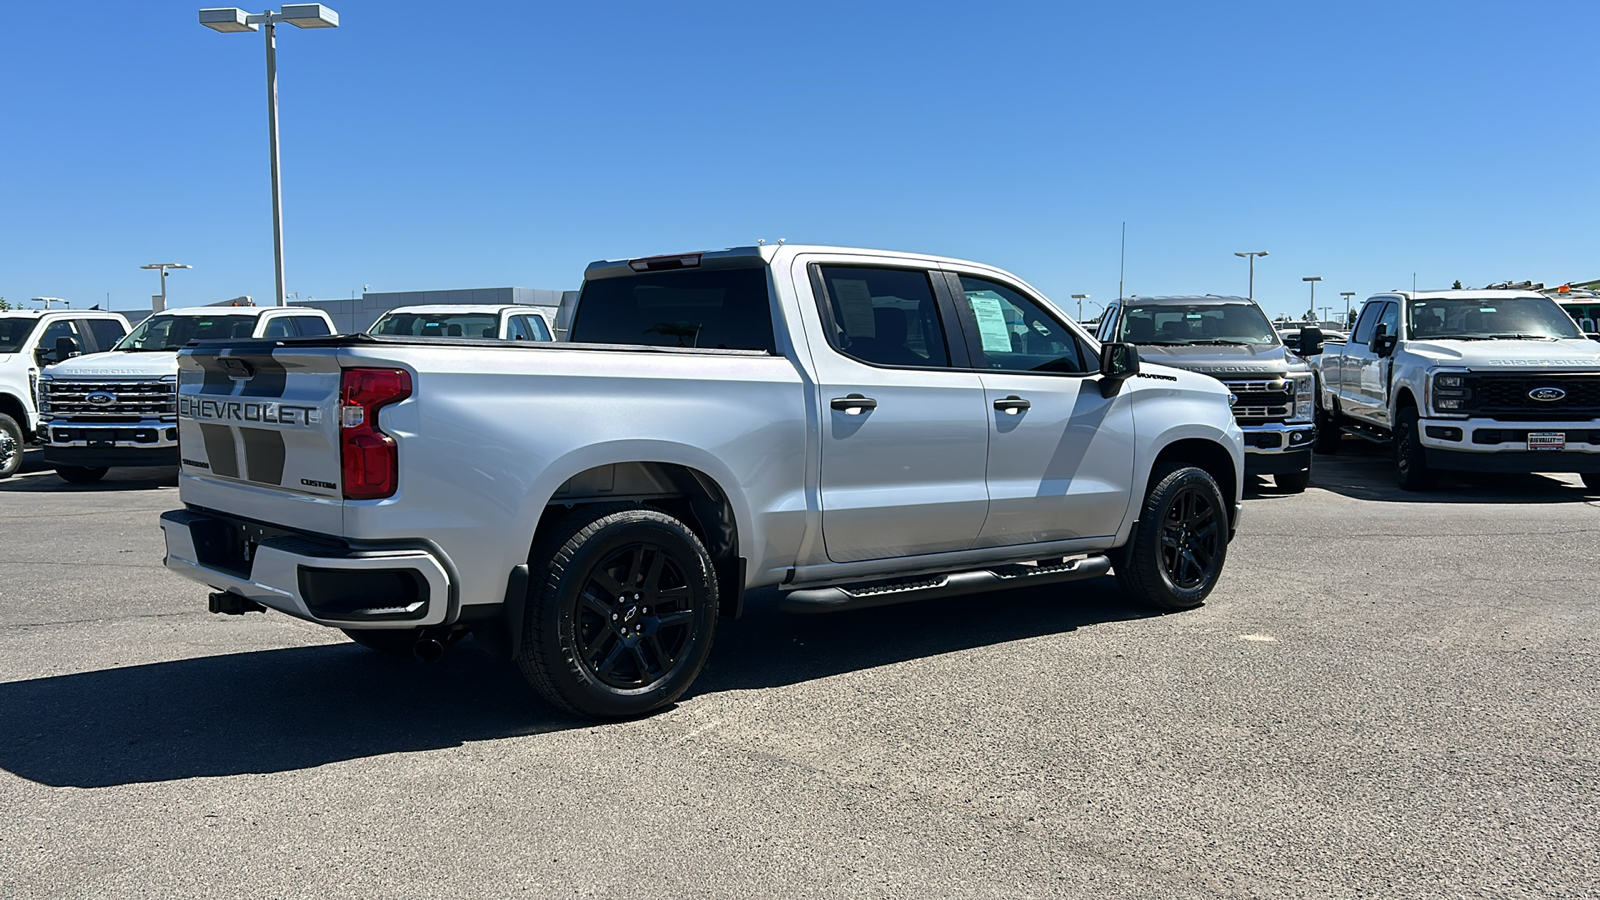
<point x="315" y="580"/>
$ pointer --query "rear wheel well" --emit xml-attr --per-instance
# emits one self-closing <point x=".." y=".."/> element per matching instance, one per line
<point x="1209" y="456"/>
<point x="686" y="494"/>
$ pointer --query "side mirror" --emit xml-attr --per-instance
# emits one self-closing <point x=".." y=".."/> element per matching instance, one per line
<point x="1310" y="341"/>
<point x="1118" y="363"/>
<point x="66" y="348"/>
<point x="1382" y="342"/>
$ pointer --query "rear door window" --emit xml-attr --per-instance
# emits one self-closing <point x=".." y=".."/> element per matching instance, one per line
<point x="539" y="329"/>
<point x="517" y="329"/>
<point x="106" y="332"/>
<point x="886" y="317"/>
<point x="726" y="309"/>
<point x="311" y="326"/>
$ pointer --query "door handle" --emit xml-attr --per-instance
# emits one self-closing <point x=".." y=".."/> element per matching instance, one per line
<point x="1012" y="405"/>
<point x="853" y="404"/>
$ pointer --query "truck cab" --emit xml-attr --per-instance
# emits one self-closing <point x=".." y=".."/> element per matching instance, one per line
<point x="31" y="339"/>
<point x="1479" y="381"/>
<point x="1230" y="339"/>
<point x="510" y="322"/>
<point x="118" y="407"/>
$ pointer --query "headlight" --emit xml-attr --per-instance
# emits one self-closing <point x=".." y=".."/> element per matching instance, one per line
<point x="1450" y="393"/>
<point x="1304" y="399"/>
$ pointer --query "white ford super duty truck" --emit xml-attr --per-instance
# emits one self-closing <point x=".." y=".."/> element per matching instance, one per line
<point x="1478" y="381"/>
<point x="31" y="339"/>
<point x="851" y="427"/>
<point x="118" y="407"/>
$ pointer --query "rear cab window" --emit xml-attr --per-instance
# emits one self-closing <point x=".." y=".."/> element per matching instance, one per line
<point x="713" y="308"/>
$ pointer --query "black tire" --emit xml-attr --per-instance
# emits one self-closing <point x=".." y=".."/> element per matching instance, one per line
<point x="393" y="642"/>
<point x="1292" y="482"/>
<point x="1180" y="544"/>
<point x="82" y="474"/>
<point x="11" y="441"/>
<point x="622" y="609"/>
<point x="1591" y="480"/>
<point x="1328" y="433"/>
<point x="1410" y="461"/>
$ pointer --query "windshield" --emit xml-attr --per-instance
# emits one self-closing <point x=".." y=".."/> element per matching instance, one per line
<point x="161" y="332"/>
<point x="440" y="325"/>
<point x="14" y="331"/>
<point x="1501" y="318"/>
<point x="1173" y="324"/>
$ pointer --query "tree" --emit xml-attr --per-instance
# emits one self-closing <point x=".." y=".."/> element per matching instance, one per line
<point x="4" y="305"/>
<point x="1352" y="322"/>
<point x="1456" y="286"/>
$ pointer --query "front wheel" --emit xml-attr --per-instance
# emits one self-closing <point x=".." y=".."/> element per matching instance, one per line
<point x="622" y="607"/>
<point x="1410" y="460"/>
<point x="82" y="474"/>
<point x="1292" y="482"/>
<point x="10" y="446"/>
<point x="1178" y="548"/>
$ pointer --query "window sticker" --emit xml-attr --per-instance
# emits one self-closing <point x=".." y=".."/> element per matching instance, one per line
<point x="992" y="328"/>
<point x="855" y="303"/>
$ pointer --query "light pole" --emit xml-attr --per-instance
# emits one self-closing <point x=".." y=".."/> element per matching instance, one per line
<point x="301" y="15"/>
<point x="164" y="267"/>
<point x="1080" y="298"/>
<point x="1251" y="255"/>
<point x="1312" y="280"/>
<point x="1347" y="295"/>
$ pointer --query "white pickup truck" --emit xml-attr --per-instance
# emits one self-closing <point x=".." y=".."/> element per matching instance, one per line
<point x="1478" y="381"/>
<point x="852" y="427"/>
<point x="118" y="407"/>
<point x="31" y="339"/>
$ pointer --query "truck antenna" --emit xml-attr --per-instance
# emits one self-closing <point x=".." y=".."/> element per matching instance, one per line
<point x="1122" y="265"/>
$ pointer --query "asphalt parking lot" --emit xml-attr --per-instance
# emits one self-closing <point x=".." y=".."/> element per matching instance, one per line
<point x="1389" y="696"/>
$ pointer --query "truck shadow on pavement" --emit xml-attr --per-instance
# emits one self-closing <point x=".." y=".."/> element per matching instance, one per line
<point x="37" y="478"/>
<point x="1363" y="470"/>
<point x="288" y="709"/>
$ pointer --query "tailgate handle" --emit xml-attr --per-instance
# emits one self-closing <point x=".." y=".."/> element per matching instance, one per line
<point x="854" y="404"/>
<point x="1012" y="405"/>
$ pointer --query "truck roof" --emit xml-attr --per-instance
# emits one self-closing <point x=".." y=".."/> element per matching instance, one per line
<point x="1461" y="295"/>
<point x="41" y="313"/>
<point x="447" y="308"/>
<point x="1189" y="300"/>
<point x="740" y="257"/>
<point x="233" y="310"/>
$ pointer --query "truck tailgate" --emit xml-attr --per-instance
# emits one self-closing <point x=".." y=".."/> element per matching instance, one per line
<point x="258" y="432"/>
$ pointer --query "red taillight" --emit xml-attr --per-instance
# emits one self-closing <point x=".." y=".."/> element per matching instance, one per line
<point x="371" y="460"/>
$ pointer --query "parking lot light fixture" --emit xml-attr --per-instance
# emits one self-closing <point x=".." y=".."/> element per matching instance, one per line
<point x="1251" y="255"/>
<point x="1080" y="298"/>
<point x="164" y="267"/>
<point x="1312" y="280"/>
<point x="230" y="20"/>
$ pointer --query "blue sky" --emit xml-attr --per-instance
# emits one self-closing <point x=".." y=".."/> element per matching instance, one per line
<point x="454" y="145"/>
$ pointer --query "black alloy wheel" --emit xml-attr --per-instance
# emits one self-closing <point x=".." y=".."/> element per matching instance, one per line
<point x="1292" y="482"/>
<point x="1177" y="551"/>
<point x="1327" y="430"/>
<point x="636" y="617"/>
<point x="1192" y="535"/>
<point x="10" y="446"/>
<point x="622" y="609"/>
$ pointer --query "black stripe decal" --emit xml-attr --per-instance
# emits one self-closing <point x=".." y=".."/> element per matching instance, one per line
<point x="263" y="455"/>
<point x="269" y="380"/>
<point x="220" y="452"/>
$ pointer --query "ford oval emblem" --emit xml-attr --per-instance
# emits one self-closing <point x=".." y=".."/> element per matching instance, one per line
<point x="1547" y="394"/>
<point x="101" y="398"/>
